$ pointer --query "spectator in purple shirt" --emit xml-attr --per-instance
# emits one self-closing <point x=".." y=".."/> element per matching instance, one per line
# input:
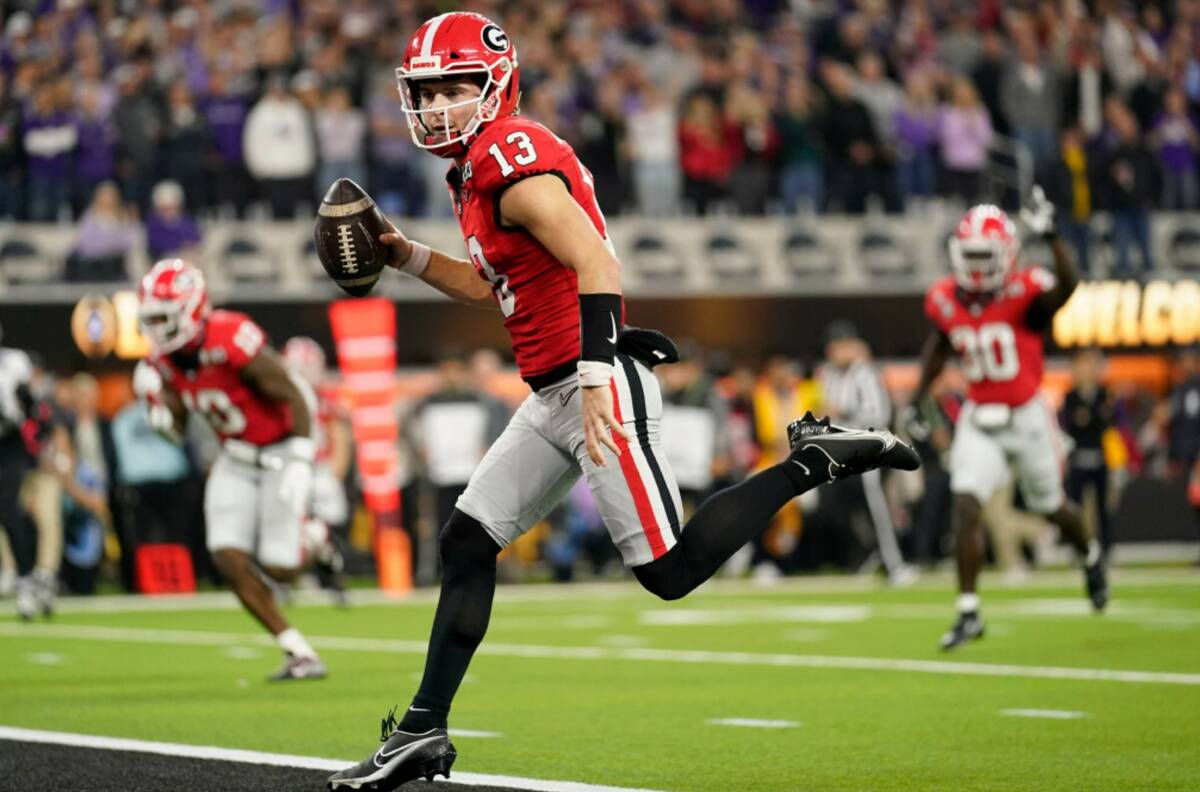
<point x="225" y="112"/>
<point x="1177" y="140"/>
<point x="916" y="125"/>
<point x="95" y="158"/>
<point x="50" y="137"/>
<point x="169" y="230"/>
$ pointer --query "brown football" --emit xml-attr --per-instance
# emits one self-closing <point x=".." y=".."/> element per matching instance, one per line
<point x="347" y="237"/>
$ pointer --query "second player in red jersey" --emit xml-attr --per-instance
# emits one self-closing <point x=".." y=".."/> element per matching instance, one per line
<point x="217" y="364"/>
<point x="999" y="341"/>
<point x="215" y="389"/>
<point x="993" y="318"/>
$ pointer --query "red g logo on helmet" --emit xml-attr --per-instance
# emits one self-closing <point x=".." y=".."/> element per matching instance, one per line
<point x="451" y="46"/>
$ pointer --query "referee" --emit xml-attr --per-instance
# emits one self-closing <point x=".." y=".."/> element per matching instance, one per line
<point x="854" y="396"/>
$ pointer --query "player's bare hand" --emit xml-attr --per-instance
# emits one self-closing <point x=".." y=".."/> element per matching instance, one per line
<point x="600" y="426"/>
<point x="399" y="246"/>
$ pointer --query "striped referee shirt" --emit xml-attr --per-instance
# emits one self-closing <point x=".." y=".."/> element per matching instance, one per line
<point x="857" y="394"/>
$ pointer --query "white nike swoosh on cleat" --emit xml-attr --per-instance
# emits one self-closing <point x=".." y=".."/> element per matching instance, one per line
<point x="400" y="752"/>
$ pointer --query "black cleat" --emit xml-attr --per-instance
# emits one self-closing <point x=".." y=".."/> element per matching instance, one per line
<point x="968" y="627"/>
<point x="847" y="452"/>
<point x="403" y="757"/>
<point x="1097" y="585"/>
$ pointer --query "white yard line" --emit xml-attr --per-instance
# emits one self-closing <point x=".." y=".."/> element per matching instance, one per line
<point x="641" y="654"/>
<point x="279" y="760"/>
<point x="1044" y="713"/>
<point x="753" y="723"/>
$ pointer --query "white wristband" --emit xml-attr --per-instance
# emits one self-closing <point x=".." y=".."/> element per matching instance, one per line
<point x="594" y="374"/>
<point x="302" y="448"/>
<point x="417" y="261"/>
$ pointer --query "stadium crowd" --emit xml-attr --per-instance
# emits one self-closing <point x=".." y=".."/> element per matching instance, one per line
<point x="87" y="489"/>
<point x="683" y="106"/>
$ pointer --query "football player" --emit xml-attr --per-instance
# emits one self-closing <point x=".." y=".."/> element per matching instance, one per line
<point x="328" y="506"/>
<point x="218" y="364"/>
<point x="993" y="317"/>
<point x="539" y="252"/>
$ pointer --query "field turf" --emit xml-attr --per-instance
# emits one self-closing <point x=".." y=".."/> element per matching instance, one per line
<point x="812" y="684"/>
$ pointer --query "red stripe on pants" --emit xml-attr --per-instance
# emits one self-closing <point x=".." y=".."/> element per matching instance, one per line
<point x="641" y="500"/>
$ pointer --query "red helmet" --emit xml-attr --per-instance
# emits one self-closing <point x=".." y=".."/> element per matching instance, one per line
<point x="450" y="46"/>
<point x="305" y="357"/>
<point x="983" y="250"/>
<point x="173" y="305"/>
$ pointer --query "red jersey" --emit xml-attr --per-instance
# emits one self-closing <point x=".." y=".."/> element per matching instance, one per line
<point x="1000" y="349"/>
<point x="216" y="390"/>
<point x="538" y="295"/>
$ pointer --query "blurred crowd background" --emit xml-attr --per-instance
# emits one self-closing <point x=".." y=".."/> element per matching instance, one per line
<point x="200" y="109"/>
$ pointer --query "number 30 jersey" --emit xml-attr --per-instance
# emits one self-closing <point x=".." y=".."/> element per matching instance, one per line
<point x="538" y="295"/>
<point x="215" y="389"/>
<point x="1000" y="345"/>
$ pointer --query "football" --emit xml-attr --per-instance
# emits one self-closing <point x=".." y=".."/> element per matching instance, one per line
<point x="347" y="237"/>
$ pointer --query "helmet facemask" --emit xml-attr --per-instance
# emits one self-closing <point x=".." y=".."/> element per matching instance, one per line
<point x="172" y="323"/>
<point x="981" y="264"/>
<point x="428" y="126"/>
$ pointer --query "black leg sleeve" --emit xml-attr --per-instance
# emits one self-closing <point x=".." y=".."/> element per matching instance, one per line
<point x="464" y="607"/>
<point x="721" y="526"/>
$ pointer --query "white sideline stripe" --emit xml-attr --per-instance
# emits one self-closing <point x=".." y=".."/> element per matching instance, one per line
<point x="1044" y="713"/>
<point x="280" y="760"/>
<point x="467" y="733"/>
<point x="693" y="656"/>
<point x="753" y="723"/>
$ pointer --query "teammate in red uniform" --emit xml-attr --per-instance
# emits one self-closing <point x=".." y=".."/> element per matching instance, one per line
<point x="217" y="364"/>
<point x="540" y="252"/>
<point x="993" y="317"/>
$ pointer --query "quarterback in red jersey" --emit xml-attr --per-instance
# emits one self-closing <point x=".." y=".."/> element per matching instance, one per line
<point x="217" y="364"/>
<point x="993" y="317"/>
<point x="539" y="251"/>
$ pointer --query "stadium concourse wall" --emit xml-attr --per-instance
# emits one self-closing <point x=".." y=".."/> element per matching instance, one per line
<point x="747" y="287"/>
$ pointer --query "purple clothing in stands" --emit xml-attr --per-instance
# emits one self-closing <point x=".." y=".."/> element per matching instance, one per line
<point x="169" y="236"/>
<point x="918" y="131"/>
<point x="50" y="144"/>
<point x="226" y="117"/>
<point x="97" y="151"/>
<point x="1175" y="146"/>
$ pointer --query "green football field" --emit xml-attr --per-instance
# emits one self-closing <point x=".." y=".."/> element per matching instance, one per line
<point x="812" y="684"/>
